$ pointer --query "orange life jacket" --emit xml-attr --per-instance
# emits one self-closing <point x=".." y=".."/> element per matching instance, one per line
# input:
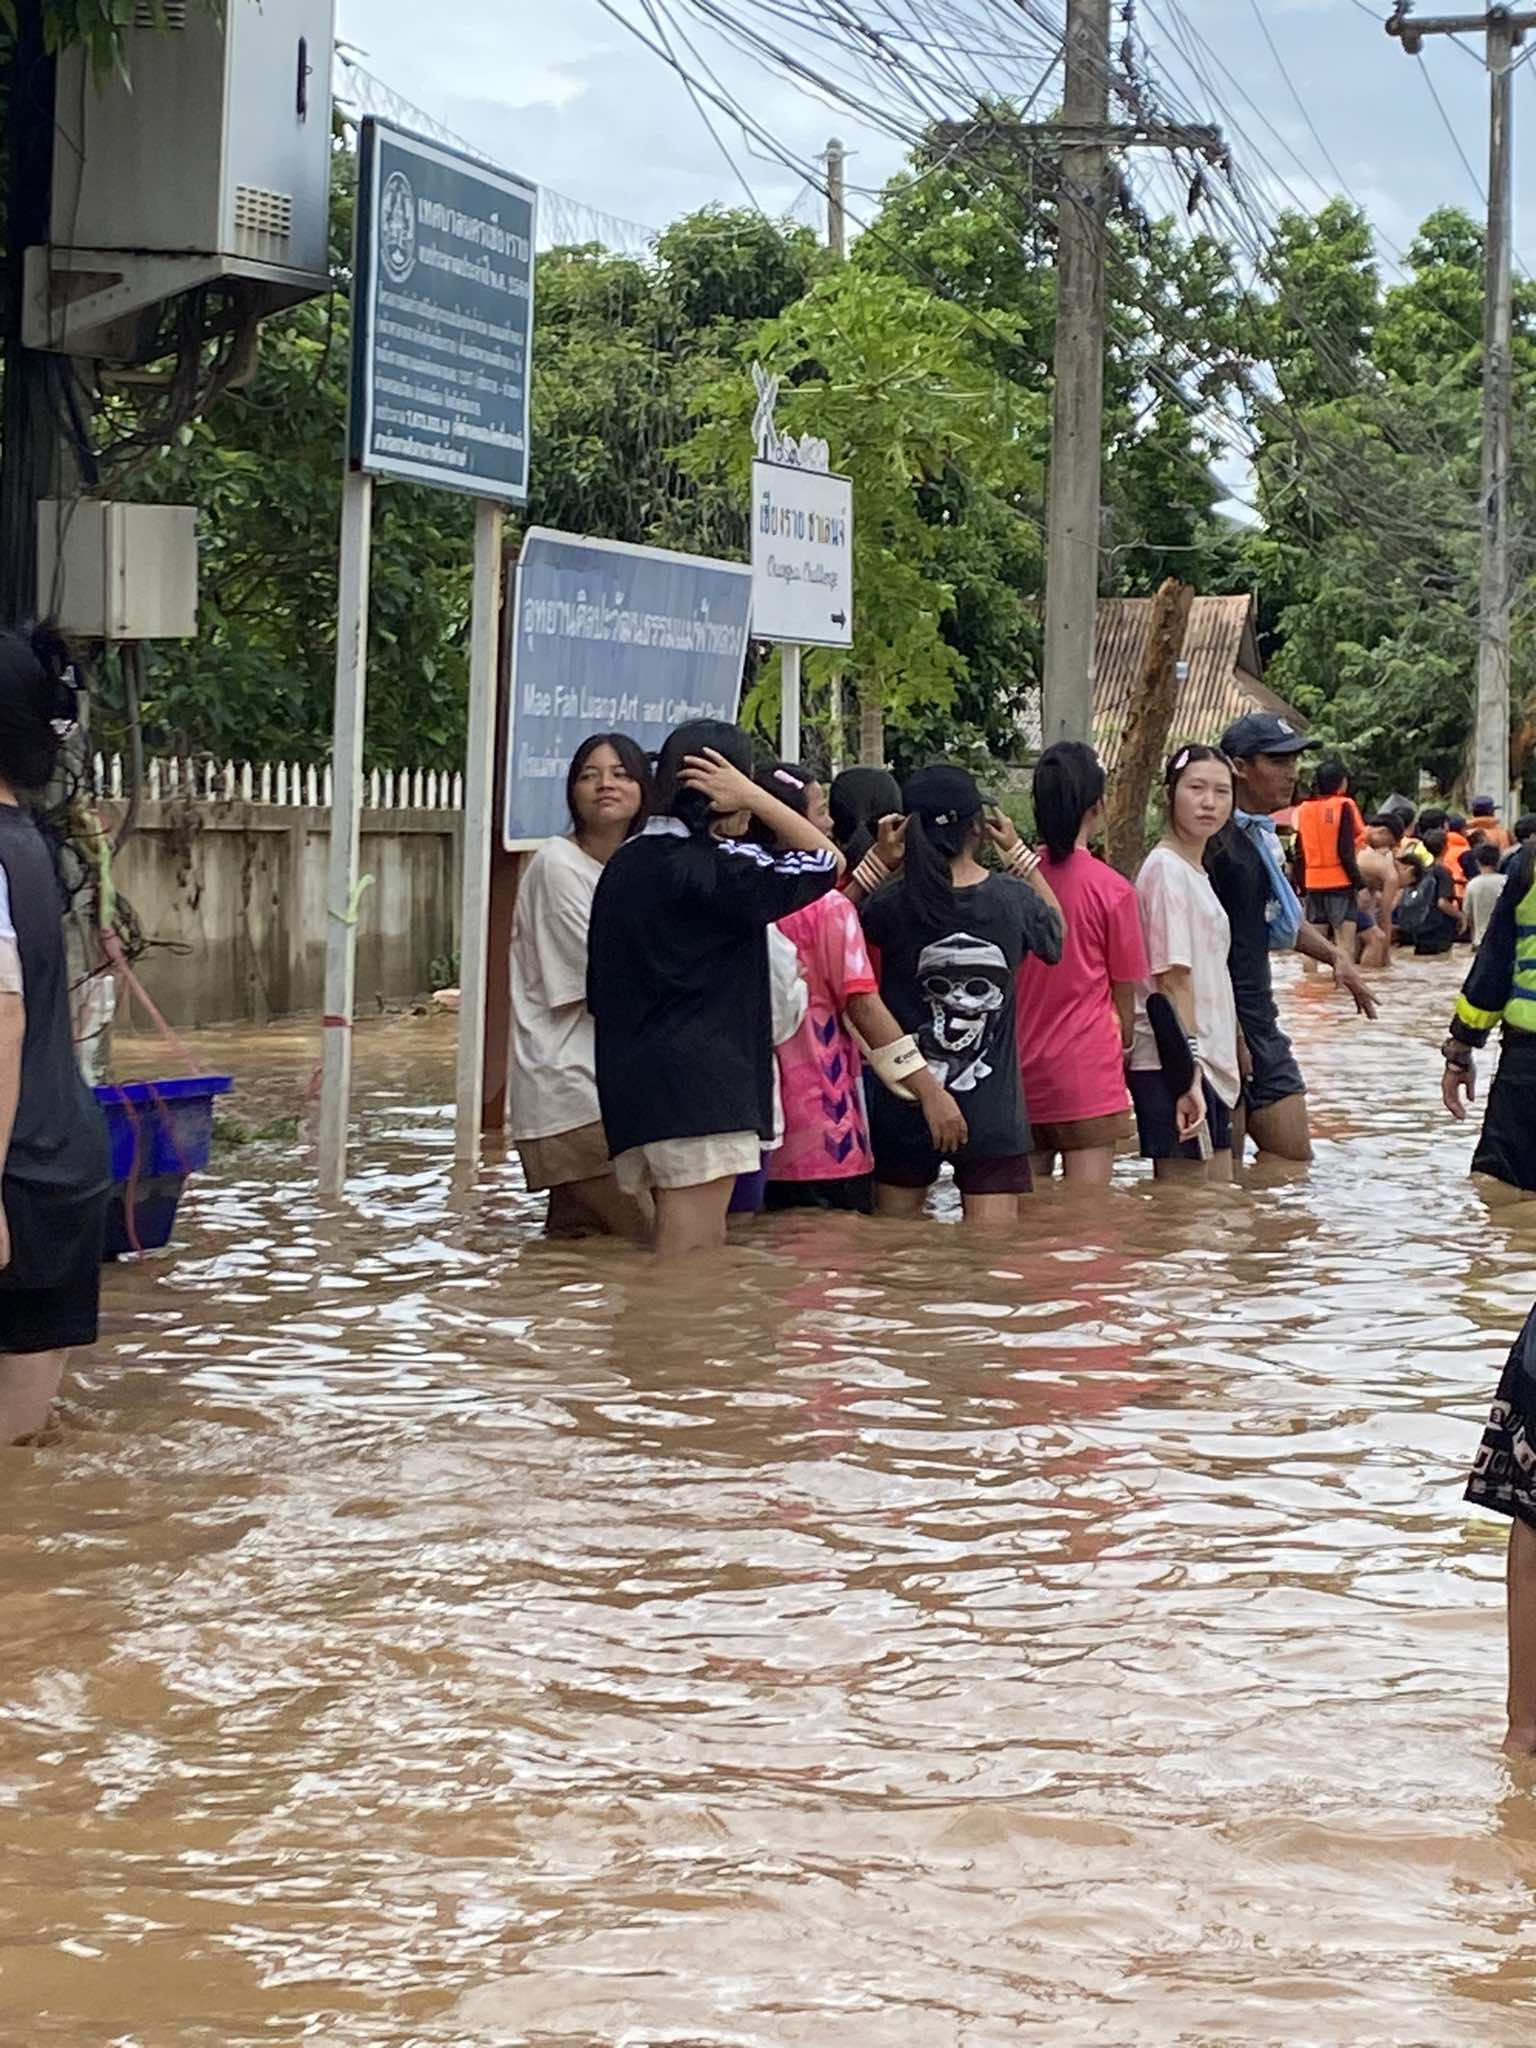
<point x="1317" y="826"/>
<point x="1456" y="844"/>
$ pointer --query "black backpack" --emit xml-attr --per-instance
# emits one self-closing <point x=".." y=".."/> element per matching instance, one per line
<point x="1418" y="906"/>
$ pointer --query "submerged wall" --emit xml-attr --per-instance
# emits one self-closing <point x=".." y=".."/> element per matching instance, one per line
<point x="231" y="893"/>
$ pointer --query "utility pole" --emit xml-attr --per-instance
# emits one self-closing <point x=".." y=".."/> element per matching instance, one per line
<point x="1504" y="30"/>
<point x="1077" y="431"/>
<point x="837" y="212"/>
<point x="1083" y="138"/>
<point x="837" y="243"/>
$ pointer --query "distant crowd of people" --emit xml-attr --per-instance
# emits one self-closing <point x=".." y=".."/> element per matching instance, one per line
<point x="735" y="990"/>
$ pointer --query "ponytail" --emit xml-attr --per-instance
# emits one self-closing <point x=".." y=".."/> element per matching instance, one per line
<point x="927" y="885"/>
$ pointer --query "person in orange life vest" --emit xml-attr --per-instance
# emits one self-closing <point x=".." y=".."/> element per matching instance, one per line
<point x="1456" y="845"/>
<point x="1485" y="816"/>
<point x="1324" y="869"/>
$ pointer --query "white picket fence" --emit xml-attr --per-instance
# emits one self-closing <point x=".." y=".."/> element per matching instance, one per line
<point x="281" y="782"/>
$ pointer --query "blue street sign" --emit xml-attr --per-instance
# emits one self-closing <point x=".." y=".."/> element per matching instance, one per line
<point x="607" y="637"/>
<point x="442" y="317"/>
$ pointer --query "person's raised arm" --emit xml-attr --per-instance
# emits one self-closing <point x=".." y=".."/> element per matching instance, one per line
<point x="729" y="790"/>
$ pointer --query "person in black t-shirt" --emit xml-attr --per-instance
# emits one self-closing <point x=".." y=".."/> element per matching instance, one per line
<point x="1438" y="932"/>
<point x="677" y="980"/>
<point x="1263" y="749"/>
<point x="951" y="936"/>
<point x="53" y="1139"/>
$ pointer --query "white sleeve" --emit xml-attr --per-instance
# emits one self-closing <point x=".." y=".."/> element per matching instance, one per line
<point x="10" y="950"/>
<point x="789" y="994"/>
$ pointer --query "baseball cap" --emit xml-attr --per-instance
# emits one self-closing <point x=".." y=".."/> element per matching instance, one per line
<point x="1262" y="732"/>
<point x="1483" y="807"/>
<point x="942" y="794"/>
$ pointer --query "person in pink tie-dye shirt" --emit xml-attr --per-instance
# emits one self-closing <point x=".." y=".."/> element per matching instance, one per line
<point x="825" y="1161"/>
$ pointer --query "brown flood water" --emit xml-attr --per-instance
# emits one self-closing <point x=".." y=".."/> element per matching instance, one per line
<point x="416" y="1634"/>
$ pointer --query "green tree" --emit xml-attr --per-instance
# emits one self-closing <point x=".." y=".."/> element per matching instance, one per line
<point x="941" y="449"/>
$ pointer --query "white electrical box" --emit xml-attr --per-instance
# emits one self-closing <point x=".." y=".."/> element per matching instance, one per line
<point x="108" y="571"/>
<point x="206" y="159"/>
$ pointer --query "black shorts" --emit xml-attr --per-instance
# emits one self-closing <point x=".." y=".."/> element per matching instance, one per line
<point x="854" y="1196"/>
<point x="1507" y="1148"/>
<point x="1157" y="1122"/>
<point x="50" y="1291"/>
<point x="1332" y="907"/>
<point x="1504" y="1470"/>
<point x="1275" y="1073"/>
<point x="916" y="1168"/>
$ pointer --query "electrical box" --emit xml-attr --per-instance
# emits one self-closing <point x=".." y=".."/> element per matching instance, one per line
<point x="107" y="571"/>
<point x="206" y="160"/>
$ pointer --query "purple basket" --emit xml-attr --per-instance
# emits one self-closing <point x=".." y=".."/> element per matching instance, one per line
<point x="159" y="1131"/>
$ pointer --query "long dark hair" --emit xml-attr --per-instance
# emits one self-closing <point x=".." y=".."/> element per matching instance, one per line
<point x="36" y="698"/>
<point x="1069" y="781"/>
<point x="859" y="798"/>
<point x="674" y="799"/>
<point x="633" y="759"/>
<point x="927" y="885"/>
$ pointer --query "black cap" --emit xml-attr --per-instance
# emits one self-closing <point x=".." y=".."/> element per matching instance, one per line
<point x="942" y="794"/>
<point x="1262" y="732"/>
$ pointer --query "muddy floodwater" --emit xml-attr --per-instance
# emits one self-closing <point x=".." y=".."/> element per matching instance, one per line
<point x="418" y="1634"/>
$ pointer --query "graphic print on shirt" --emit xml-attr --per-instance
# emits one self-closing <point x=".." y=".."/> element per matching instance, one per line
<point x="964" y="981"/>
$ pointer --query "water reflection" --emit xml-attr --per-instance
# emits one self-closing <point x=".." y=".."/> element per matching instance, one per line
<point x="422" y="1634"/>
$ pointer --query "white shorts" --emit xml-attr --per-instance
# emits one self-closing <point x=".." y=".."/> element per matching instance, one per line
<point x="688" y="1162"/>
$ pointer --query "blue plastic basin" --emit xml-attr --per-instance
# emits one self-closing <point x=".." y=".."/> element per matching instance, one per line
<point x="160" y="1131"/>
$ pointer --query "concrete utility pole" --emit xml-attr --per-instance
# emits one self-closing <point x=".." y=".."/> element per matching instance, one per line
<point x="1504" y="31"/>
<point x="1077" y="431"/>
<point x="1084" y="138"/>
<point x="837" y="212"/>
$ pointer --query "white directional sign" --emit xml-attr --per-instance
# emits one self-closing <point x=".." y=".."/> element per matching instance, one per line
<point x="802" y="555"/>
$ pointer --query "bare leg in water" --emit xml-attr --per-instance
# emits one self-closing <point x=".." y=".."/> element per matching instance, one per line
<point x="578" y="1208"/>
<point x="1521" y="1595"/>
<point x="692" y="1219"/>
<point x="29" y="1382"/>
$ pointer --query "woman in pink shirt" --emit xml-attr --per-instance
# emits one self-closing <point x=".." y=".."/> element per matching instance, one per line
<point x="1074" y="1020"/>
<point x="825" y="1160"/>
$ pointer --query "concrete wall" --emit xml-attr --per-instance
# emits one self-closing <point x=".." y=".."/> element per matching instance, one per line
<point x="235" y="893"/>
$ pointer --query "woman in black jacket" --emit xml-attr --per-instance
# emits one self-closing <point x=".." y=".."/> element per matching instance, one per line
<point x="53" y="1141"/>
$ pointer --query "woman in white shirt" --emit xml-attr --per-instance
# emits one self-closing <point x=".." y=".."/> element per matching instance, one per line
<point x="1188" y="939"/>
<point x="552" y="1082"/>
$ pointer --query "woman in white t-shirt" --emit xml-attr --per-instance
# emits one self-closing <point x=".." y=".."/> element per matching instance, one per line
<point x="1188" y="940"/>
<point x="552" y="1082"/>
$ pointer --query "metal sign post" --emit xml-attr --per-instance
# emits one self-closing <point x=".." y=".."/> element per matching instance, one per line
<point x="346" y="821"/>
<point x="442" y="326"/>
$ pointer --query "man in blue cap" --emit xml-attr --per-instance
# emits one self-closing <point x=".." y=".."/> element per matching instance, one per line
<point x="1247" y="872"/>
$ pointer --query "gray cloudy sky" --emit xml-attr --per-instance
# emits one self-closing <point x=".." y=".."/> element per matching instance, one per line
<point x="561" y="91"/>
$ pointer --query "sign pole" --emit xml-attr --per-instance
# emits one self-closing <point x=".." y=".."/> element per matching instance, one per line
<point x="789" y="702"/>
<point x="479" y="783"/>
<point x="341" y="891"/>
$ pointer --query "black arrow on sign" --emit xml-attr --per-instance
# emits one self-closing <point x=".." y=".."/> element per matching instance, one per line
<point x="839" y="618"/>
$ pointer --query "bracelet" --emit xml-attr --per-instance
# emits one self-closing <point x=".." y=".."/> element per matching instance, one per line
<point x="1455" y="1054"/>
<point x="871" y="873"/>
<point x="1023" y="861"/>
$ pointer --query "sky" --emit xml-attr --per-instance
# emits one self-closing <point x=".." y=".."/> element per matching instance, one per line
<point x="563" y="92"/>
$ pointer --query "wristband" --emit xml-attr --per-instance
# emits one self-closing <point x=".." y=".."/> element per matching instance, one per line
<point x="896" y="1062"/>
<point x="1455" y="1054"/>
<point x="871" y="873"/>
